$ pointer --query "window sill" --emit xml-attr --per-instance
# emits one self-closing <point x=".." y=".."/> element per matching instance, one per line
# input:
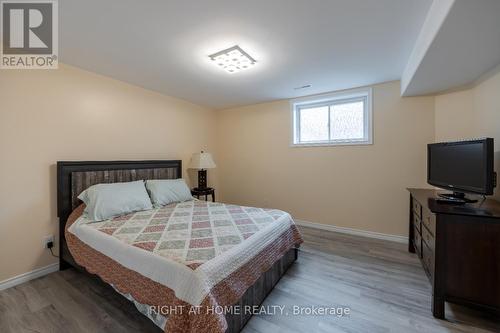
<point x="331" y="144"/>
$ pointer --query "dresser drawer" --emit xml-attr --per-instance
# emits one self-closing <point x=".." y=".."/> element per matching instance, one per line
<point x="417" y="208"/>
<point x="428" y="238"/>
<point x="428" y="259"/>
<point x="429" y="221"/>
<point x="417" y="223"/>
<point x="417" y="242"/>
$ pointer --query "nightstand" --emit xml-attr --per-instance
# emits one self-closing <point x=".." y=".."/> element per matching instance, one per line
<point x="197" y="192"/>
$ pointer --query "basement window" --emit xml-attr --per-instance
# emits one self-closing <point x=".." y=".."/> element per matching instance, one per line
<point x="343" y="118"/>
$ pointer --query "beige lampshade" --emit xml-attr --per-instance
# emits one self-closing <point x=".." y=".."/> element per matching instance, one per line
<point x="202" y="161"/>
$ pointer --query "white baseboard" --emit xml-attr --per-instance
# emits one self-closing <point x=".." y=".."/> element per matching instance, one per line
<point x="25" y="277"/>
<point x="356" y="232"/>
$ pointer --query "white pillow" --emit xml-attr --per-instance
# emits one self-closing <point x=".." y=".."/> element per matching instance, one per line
<point x="104" y="201"/>
<point x="166" y="191"/>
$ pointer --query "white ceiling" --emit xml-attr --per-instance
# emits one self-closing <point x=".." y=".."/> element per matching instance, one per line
<point x="163" y="45"/>
<point x="459" y="43"/>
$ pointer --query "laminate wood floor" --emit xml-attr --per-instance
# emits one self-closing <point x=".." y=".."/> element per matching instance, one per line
<point x="383" y="285"/>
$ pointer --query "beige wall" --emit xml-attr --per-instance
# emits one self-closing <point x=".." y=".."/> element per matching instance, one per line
<point x="360" y="187"/>
<point x="70" y="114"/>
<point x="472" y="113"/>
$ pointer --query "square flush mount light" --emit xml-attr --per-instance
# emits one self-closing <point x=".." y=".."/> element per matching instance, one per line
<point x="233" y="59"/>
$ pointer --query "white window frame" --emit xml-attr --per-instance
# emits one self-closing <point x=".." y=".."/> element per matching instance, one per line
<point x="341" y="97"/>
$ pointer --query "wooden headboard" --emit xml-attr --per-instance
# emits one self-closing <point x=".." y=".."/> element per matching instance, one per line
<point x="75" y="177"/>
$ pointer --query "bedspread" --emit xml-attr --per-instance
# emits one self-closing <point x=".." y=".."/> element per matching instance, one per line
<point x="188" y="254"/>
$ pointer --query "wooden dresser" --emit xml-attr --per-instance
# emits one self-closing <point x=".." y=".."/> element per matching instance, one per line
<point x="459" y="247"/>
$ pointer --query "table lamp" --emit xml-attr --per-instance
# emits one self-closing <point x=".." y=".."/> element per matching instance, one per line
<point x="202" y="161"/>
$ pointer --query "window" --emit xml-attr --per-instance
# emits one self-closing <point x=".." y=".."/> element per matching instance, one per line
<point x="335" y="119"/>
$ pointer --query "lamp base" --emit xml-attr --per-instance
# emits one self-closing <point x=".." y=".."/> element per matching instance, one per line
<point x="202" y="179"/>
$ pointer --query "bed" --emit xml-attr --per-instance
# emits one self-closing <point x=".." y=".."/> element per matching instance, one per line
<point x="191" y="289"/>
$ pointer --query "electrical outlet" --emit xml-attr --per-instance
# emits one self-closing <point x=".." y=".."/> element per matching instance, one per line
<point x="47" y="239"/>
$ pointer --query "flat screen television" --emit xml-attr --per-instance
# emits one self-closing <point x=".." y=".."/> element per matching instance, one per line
<point x="462" y="167"/>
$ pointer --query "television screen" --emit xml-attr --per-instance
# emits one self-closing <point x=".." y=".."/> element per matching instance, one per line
<point x="465" y="166"/>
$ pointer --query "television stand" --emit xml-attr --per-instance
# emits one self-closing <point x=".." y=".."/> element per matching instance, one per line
<point x="459" y="248"/>
<point x="456" y="197"/>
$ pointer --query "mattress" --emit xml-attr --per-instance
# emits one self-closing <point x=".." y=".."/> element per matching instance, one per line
<point x="200" y="253"/>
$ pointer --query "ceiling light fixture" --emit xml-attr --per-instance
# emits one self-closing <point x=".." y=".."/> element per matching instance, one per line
<point x="233" y="59"/>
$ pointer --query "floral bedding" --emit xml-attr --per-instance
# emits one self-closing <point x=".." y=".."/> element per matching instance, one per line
<point x="193" y="253"/>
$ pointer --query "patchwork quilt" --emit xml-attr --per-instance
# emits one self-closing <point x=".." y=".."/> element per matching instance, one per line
<point x="193" y="253"/>
<point x="190" y="233"/>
